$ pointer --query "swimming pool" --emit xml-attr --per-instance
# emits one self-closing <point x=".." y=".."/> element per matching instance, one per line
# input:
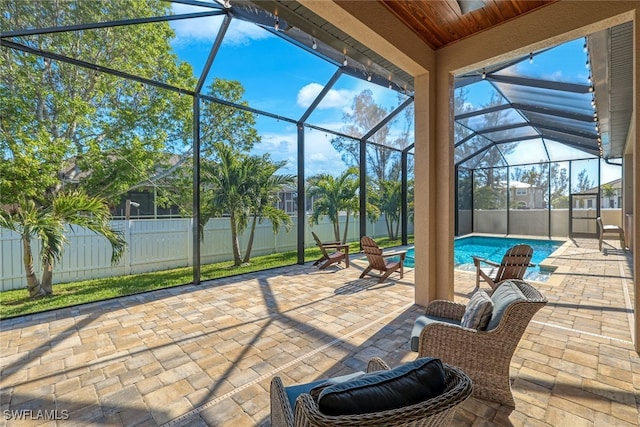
<point x="493" y="248"/>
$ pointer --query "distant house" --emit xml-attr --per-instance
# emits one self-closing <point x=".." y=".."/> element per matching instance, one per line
<point x="610" y="196"/>
<point x="288" y="200"/>
<point x="141" y="204"/>
<point x="140" y="201"/>
<point x="526" y="196"/>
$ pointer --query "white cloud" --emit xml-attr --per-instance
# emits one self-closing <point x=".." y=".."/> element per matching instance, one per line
<point x="320" y="156"/>
<point x="555" y="76"/>
<point x="278" y="145"/>
<point x="206" y="29"/>
<point x="244" y="32"/>
<point x="341" y="98"/>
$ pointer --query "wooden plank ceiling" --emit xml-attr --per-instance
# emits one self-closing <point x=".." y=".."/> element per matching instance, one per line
<point x="441" y="22"/>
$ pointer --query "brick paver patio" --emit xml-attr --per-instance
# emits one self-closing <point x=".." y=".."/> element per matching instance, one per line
<point x="204" y="355"/>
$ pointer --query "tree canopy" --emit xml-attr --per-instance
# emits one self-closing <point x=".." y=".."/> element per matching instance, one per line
<point x="73" y="139"/>
<point x="383" y="155"/>
<point x="59" y="120"/>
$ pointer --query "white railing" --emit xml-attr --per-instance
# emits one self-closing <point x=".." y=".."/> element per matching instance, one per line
<point x="154" y="245"/>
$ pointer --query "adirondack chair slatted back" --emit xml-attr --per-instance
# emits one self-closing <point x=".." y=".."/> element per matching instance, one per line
<point x="319" y="244"/>
<point x="514" y="263"/>
<point x="332" y="252"/>
<point x="373" y="253"/>
<point x="384" y="262"/>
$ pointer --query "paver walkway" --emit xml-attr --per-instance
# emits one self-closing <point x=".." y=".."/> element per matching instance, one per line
<point x="204" y="355"/>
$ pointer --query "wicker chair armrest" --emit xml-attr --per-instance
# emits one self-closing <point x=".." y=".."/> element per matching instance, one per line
<point x="281" y="411"/>
<point x="461" y="346"/>
<point x="377" y="364"/>
<point x="445" y="308"/>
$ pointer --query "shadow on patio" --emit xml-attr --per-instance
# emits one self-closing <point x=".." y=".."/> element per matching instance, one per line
<point x="205" y="355"/>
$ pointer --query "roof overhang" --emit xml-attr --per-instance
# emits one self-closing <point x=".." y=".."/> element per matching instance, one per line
<point x="613" y="80"/>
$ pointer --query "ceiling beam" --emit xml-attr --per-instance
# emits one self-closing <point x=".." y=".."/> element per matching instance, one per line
<point x="107" y="24"/>
<point x="541" y="84"/>
<point x="550" y="111"/>
<point x="575" y="132"/>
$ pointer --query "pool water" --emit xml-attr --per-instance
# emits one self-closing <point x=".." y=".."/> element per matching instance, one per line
<point x="493" y="249"/>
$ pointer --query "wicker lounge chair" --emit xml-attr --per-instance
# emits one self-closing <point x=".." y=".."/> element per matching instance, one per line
<point x="609" y="229"/>
<point x="378" y="260"/>
<point x="513" y="266"/>
<point x="484" y="355"/>
<point x="437" y="411"/>
<point x="332" y="253"/>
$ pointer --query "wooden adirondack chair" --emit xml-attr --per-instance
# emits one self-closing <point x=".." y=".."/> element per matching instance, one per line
<point x="378" y="260"/>
<point x="332" y="252"/>
<point x="513" y="266"/>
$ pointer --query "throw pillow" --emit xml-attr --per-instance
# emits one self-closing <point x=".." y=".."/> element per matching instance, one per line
<point x="503" y="296"/>
<point x="408" y="384"/>
<point x="478" y="312"/>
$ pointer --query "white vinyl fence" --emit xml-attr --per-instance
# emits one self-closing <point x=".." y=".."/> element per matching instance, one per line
<point x="157" y="244"/>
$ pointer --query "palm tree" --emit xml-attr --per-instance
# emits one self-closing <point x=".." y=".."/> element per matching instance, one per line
<point x="47" y="224"/>
<point x="263" y="193"/>
<point x="388" y="198"/>
<point x="245" y="188"/>
<point x="228" y="181"/>
<point x="334" y="195"/>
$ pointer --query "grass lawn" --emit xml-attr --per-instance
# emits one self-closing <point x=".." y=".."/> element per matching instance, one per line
<point x="17" y="302"/>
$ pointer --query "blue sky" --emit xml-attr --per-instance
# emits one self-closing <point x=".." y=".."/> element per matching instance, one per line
<point x="280" y="78"/>
<point x="565" y="63"/>
<point x="284" y="79"/>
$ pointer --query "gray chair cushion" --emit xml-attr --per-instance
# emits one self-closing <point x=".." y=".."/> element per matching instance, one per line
<point x="423" y="321"/>
<point x="478" y="311"/>
<point x="405" y="385"/>
<point x="506" y="293"/>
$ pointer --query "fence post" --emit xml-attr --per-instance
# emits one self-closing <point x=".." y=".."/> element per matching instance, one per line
<point x="128" y="238"/>
<point x="2" y="279"/>
<point x="189" y="239"/>
<point x="275" y="241"/>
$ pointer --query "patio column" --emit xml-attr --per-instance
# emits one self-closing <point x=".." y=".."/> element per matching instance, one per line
<point x="433" y="191"/>
<point x="634" y="149"/>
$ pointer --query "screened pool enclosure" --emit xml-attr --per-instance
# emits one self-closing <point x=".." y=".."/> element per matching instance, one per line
<point x="223" y="131"/>
<point x="215" y="131"/>
<point x="533" y="148"/>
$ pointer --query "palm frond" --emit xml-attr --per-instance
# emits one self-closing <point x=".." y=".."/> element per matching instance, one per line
<point x="92" y="213"/>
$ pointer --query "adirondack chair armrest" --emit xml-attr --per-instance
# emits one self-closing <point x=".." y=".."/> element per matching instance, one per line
<point x="478" y="260"/>
<point x="335" y="245"/>
<point x="401" y="254"/>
